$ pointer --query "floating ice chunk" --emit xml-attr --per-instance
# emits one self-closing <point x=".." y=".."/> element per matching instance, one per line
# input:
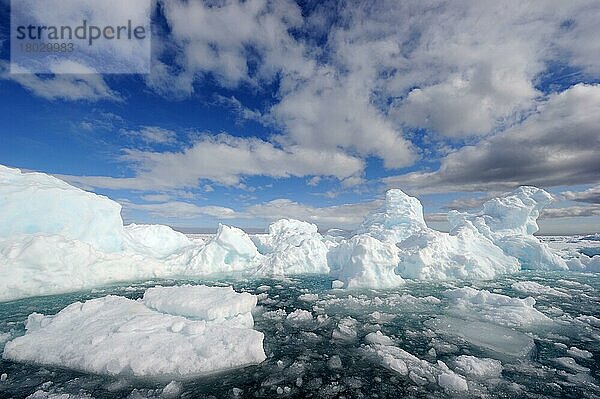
<point x="309" y="297"/>
<point x="334" y="363"/>
<point x="592" y="237"/>
<point x="364" y="261"/>
<point x="154" y="240"/>
<point x="263" y="288"/>
<point x="346" y="329"/>
<point x="41" y="394"/>
<point x="38" y="203"/>
<point x="172" y="390"/>
<point x="495" y="308"/>
<point x="580" y="353"/>
<point x="497" y="341"/>
<point x="420" y="371"/>
<point x="585" y="263"/>
<point x="591" y="320"/>
<point x="398" y="218"/>
<point x="378" y="337"/>
<point x="337" y="284"/>
<point x="115" y="335"/>
<point x="275" y="314"/>
<point x="452" y="382"/>
<point x="299" y="317"/>
<point x="478" y="368"/>
<point x="531" y="287"/>
<point x="391" y="303"/>
<point x="570" y="364"/>
<point x="213" y="304"/>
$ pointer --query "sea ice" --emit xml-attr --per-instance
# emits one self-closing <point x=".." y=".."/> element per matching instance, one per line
<point x="510" y="222"/>
<point x="292" y="247"/>
<point x="478" y="368"/>
<point x="364" y="261"/>
<point x="495" y="308"/>
<point x="497" y="341"/>
<point x="155" y="240"/>
<point x="38" y="203"/>
<point x="213" y="304"/>
<point x="398" y="218"/>
<point x="378" y="337"/>
<point x="119" y="336"/>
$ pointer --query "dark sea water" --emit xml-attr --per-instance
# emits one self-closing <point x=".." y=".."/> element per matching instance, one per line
<point x="311" y="359"/>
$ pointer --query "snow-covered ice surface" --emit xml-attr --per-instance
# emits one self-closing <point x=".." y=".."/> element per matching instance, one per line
<point x="115" y="335"/>
<point x="421" y="339"/>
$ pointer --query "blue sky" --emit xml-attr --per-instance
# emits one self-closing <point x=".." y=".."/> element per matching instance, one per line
<point x="259" y="110"/>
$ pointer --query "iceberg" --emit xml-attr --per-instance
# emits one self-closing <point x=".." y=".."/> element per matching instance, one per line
<point x="400" y="216"/>
<point x="230" y="250"/>
<point x="155" y="240"/>
<point x="45" y="264"/>
<point x="38" y="203"/>
<point x="364" y="261"/>
<point x="57" y="238"/>
<point x="394" y="243"/>
<point x="510" y="222"/>
<point x="292" y="247"/>
<point x="119" y="336"/>
<point x="461" y="254"/>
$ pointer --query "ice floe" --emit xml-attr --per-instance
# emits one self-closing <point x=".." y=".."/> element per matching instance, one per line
<point x="478" y="368"/>
<point x="119" y="336"/>
<point x="213" y="304"/>
<point x="420" y="371"/>
<point x="495" y="308"/>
